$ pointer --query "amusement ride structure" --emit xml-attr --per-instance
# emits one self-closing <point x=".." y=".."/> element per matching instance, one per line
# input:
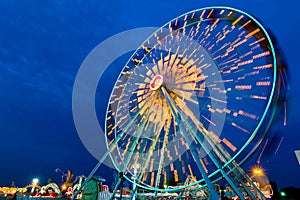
<point x="192" y="104"/>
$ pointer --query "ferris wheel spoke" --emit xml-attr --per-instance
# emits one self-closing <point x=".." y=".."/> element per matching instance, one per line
<point x="186" y="95"/>
<point x="198" y="124"/>
<point x="209" y="135"/>
<point x="176" y="60"/>
<point x="184" y="108"/>
<point x="139" y="131"/>
<point x="162" y="152"/>
<point x="151" y="150"/>
<point x="177" y="111"/>
<point x="213" y="140"/>
<point x="143" y="105"/>
<point x="130" y="123"/>
<point x="159" y="124"/>
<point x="150" y="73"/>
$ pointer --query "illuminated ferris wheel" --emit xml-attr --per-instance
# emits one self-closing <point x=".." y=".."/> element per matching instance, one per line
<point x="191" y="102"/>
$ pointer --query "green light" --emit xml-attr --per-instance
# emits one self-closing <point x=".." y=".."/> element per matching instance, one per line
<point x="282" y="193"/>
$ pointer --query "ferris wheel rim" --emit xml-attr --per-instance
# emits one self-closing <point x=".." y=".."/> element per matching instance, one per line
<point x="266" y="108"/>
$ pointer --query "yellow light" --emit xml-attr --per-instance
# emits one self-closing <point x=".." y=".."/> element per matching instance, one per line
<point x="63" y="187"/>
<point x="258" y="171"/>
<point x="35" y="181"/>
<point x="176" y="176"/>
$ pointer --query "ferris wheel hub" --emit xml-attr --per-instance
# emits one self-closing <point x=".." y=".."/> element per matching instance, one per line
<point x="156" y="82"/>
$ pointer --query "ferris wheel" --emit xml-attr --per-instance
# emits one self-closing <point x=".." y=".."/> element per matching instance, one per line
<point x="191" y="101"/>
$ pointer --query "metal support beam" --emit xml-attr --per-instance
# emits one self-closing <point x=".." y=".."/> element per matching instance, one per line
<point x="111" y="148"/>
<point x="228" y="179"/>
<point x="214" y="195"/>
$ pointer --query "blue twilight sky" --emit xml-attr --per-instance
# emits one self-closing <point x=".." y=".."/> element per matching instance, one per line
<point x="42" y="45"/>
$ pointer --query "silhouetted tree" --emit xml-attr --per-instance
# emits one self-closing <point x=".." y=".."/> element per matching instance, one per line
<point x="276" y="194"/>
<point x="292" y="193"/>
